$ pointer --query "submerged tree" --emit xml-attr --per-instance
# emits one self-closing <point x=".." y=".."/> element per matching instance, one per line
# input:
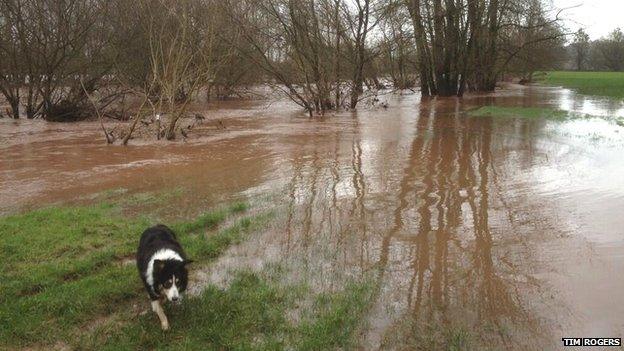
<point x="48" y="48"/>
<point x="313" y="50"/>
<point x="70" y="59"/>
<point x="398" y="60"/>
<point x="180" y="58"/>
<point x="467" y="44"/>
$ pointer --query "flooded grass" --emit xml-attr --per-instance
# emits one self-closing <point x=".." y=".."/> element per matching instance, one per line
<point x="251" y="314"/>
<point x="72" y="282"/>
<point x="609" y="84"/>
<point x="523" y="112"/>
<point x="432" y="336"/>
<point x="545" y="113"/>
<point x="336" y="318"/>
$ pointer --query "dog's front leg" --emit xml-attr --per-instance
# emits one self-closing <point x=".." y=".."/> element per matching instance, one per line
<point x="157" y="307"/>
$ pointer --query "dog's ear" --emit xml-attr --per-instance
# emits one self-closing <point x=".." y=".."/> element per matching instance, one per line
<point x="159" y="265"/>
<point x="186" y="262"/>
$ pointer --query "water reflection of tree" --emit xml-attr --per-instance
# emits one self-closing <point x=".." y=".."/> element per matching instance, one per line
<point x="439" y="253"/>
<point x="457" y="282"/>
<point x="325" y="192"/>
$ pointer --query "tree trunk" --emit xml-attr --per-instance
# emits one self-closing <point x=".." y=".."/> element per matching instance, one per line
<point x="337" y="56"/>
<point x="170" y="134"/>
<point x="487" y="81"/>
<point x="427" y="84"/>
<point x="15" y="108"/>
<point x="357" y="88"/>
<point x="360" y="42"/>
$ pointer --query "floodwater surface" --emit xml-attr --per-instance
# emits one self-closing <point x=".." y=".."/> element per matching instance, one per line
<point x="505" y="232"/>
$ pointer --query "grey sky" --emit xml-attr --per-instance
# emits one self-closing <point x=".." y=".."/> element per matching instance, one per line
<point x="598" y="17"/>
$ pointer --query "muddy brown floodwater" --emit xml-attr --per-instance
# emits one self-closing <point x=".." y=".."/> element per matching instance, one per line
<point x="510" y="229"/>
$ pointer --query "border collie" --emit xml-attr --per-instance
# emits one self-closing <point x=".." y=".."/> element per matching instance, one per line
<point x="162" y="267"/>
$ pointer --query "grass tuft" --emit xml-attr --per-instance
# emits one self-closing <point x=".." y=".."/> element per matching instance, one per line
<point x="239" y="207"/>
<point x="212" y="246"/>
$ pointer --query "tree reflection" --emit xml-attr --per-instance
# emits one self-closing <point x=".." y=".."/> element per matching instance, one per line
<point x="436" y="242"/>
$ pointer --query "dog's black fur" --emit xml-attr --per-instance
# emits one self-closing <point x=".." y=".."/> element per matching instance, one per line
<point x="162" y="266"/>
<point x="153" y="240"/>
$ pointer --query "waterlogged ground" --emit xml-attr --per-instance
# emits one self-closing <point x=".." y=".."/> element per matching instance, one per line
<point x="471" y="232"/>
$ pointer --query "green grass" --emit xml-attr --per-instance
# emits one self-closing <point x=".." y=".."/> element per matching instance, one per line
<point x="249" y="315"/>
<point x="523" y="112"/>
<point x="609" y="84"/>
<point x="69" y="281"/>
<point x="64" y="265"/>
<point x="539" y="113"/>
<point x="336" y="318"/>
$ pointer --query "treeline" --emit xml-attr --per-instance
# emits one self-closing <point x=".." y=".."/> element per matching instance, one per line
<point x="65" y="60"/>
<point x="604" y="54"/>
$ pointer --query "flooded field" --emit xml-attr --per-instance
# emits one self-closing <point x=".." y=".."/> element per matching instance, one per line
<point x="508" y="229"/>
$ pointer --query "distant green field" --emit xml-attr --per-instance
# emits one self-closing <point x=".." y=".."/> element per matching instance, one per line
<point x="609" y="84"/>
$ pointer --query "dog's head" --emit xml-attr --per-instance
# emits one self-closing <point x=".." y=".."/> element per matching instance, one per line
<point x="171" y="278"/>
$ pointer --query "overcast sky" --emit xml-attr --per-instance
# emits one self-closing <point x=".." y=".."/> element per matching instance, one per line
<point x="597" y="17"/>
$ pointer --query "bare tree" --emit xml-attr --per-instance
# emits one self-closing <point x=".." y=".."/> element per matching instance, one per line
<point x="360" y="23"/>
<point x="398" y="59"/>
<point x="580" y="47"/>
<point x="311" y="49"/>
<point x="47" y="50"/>
<point x="608" y="53"/>
<point x="12" y="68"/>
<point x="66" y="60"/>
<point x="442" y="41"/>
<point x="180" y="60"/>
<point x="537" y="45"/>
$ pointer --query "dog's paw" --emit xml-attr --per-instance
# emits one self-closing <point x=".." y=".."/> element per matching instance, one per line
<point x="165" y="326"/>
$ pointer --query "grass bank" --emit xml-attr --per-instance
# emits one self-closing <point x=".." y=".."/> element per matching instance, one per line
<point x="538" y="113"/>
<point x="609" y="84"/>
<point x="69" y="280"/>
<point x="523" y="112"/>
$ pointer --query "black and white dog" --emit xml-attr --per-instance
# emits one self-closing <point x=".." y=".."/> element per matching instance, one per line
<point x="162" y="266"/>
